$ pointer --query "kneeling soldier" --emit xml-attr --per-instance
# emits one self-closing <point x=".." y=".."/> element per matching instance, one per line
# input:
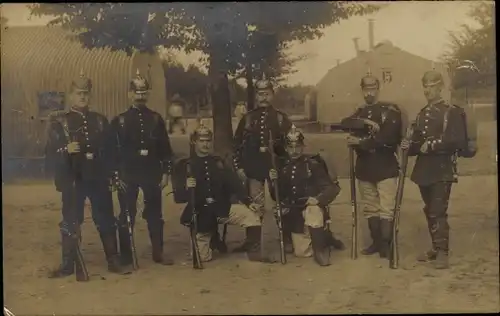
<point x="306" y="189"/>
<point x="214" y="184"/>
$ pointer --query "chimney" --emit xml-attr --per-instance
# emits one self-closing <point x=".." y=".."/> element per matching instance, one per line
<point x="356" y="45"/>
<point x="371" y="36"/>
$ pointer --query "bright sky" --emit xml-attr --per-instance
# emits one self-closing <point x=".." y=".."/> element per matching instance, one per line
<point x="419" y="27"/>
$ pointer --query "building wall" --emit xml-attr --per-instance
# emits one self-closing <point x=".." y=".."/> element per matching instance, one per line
<point x="339" y="92"/>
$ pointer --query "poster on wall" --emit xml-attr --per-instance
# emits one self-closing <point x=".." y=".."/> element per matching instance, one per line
<point x="50" y="101"/>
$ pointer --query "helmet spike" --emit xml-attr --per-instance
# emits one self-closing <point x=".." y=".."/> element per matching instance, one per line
<point x="369" y="72"/>
<point x="264" y="76"/>
<point x="433" y="66"/>
<point x="138" y="73"/>
<point x="81" y="73"/>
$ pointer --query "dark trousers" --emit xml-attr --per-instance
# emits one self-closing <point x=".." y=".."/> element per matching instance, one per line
<point x="436" y="197"/>
<point x="101" y="202"/>
<point x="152" y="203"/>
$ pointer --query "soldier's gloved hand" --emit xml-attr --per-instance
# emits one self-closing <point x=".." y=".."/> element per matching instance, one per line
<point x="191" y="183"/>
<point x="352" y="140"/>
<point x="73" y="147"/>
<point x="186" y="223"/>
<point x="241" y="174"/>
<point x="374" y="125"/>
<point x="312" y="201"/>
<point x="273" y="174"/>
<point x="222" y="220"/>
<point x="405" y="144"/>
<point x="425" y="147"/>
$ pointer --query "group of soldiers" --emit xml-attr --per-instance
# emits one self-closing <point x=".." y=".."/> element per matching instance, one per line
<point x="93" y="157"/>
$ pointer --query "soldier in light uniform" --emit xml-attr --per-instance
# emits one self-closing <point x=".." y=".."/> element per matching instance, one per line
<point x="76" y="149"/>
<point x="306" y="190"/>
<point x="142" y="160"/>
<point x="377" y="166"/>
<point x="252" y="160"/>
<point x="438" y="135"/>
<point x="214" y="184"/>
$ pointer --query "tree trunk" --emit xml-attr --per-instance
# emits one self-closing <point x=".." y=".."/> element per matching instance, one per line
<point x="250" y="87"/>
<point x="221" y="110"/>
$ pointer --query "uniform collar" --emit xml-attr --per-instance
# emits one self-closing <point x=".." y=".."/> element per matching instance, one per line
<point x="82" y="113"/>
<point x="436" y="102"/>
<point x="139" y="107"/>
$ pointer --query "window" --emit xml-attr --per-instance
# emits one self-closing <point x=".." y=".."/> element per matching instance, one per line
<point x="49" y="101"/>
<point x="387" y="76"/>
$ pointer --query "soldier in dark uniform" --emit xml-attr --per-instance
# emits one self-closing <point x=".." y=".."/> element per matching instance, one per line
<point x="438" y="135"/>
<point x="306" y="190"/>
<point x="252" y="160"/>
<point x="76" y="148"/>
<point x="214" y="185"/>
<point x="377" y="166"/>
<point x="142" y="160"/>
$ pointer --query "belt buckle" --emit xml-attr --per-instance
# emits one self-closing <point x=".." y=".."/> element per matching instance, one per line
<point x="210" y="200"/>
<point x="262" y="149"/>
<point x="143" y="152"/>
<point x="89" y="156"/>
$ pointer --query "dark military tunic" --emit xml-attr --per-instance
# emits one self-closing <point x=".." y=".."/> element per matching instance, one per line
<point x="439" y="163"/>
<point x="376" y="154"/>
<point x="215" y="185"/>
<point x="143" y="146"/>
<point x="301" y="178"/>
<point x="251" y="140"/>
<point x="88" y="170"/>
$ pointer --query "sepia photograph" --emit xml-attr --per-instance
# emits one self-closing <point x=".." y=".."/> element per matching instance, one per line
<point x="249" y="158"/>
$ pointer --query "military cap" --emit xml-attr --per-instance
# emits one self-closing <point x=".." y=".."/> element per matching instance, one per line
<point x="202" y="132"/>
<point x="82" y="83"/>
<point x="264" y="84"/>
<point x="432" y="78"/>
<point x="139" y="84"/>
<point x="294" y="136"/>
<point x="369" y="81"/>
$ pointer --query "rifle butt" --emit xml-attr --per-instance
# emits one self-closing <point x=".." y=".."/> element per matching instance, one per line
<point x="81" y="272"/>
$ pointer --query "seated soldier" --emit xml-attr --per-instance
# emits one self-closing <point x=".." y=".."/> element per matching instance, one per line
<point x="213" y="186"/>
<point x="305" y="190"/>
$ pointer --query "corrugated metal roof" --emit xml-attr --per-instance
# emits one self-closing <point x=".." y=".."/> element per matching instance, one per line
<point x="38" y="59"/>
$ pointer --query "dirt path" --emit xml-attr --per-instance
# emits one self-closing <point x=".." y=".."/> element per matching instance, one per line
<point x="232" y="285"/>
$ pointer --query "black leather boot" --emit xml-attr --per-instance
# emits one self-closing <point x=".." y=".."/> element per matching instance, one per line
<point x="320" y="246"/>
<point x="67" y="266"/>
<point x="254" y="248"/>
<point x="385" y="237"/>
<point x="125" y="246"/>
<point x="374" y="226"/>
<point x="111" y="251"/>
<point x="216" y="242"/>
<point x="337" y="244"/>
<point x="156" y="236"/>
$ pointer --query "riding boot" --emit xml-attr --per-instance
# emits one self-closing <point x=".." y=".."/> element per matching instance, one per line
<point x="67" y="266"/>
<point x="385" y="237"/>
<point x="156" y="236"/>
<point x="125" y="246"/>
<point x="111" y="251"/>
<point x="337" y="244"/>
<point x="254" y="249"/>
<point x="374" y="225"/>
<point x="320" y="246"/>
<point x="216" y="243"/>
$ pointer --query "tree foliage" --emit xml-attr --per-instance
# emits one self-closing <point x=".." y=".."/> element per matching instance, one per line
<point x="475" y="43"/>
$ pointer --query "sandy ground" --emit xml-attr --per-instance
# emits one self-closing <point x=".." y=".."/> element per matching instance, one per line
<point x="232" y="285"/>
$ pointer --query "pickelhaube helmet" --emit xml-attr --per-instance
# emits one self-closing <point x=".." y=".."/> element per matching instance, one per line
<point x="264" y="84"/>
<point x="294" y="136"/>
<point x="139" y="84"/>
<point x="82" y="83"/>
<point x="369" y="81"/>
<point x="432" y="78"/>
<point x="202" y="132"/>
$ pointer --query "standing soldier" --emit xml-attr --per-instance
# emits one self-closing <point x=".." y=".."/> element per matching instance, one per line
<point x="76" y="148"/>
<point x="439" y="133"/>
<point x="142" y="160"/>
<point x="376" y="163"/>
<point x="252" y="160"/>
<point x="306" y="190"/>
<point x="214" y="185"/>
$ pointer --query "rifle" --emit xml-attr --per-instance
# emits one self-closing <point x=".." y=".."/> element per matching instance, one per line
<point x="394" y="247"/>
<point x="128" y="219"/>
<point x="81" y="272"/>
<point x="279" y="218"/>
<point x="352" y="175"/>
<point x="197" y="264"/>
